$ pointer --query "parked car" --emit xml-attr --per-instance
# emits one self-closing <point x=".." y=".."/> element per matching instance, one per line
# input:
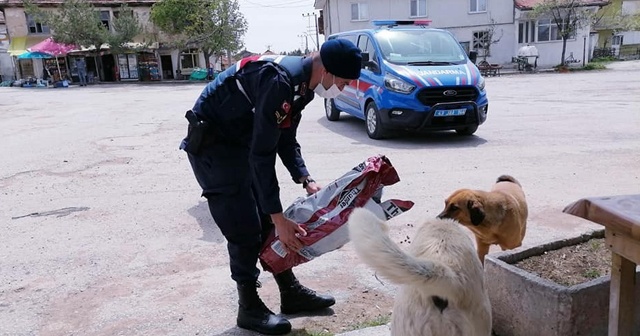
<point x="414" y="78"/>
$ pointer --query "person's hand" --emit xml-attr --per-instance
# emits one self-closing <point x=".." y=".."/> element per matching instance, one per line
<point x="312" y="188"/>
<point x="288" y="232"/>
<point x="310" y="185"/>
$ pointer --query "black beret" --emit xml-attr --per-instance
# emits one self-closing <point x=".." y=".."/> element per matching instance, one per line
<point x="341" y="58"/>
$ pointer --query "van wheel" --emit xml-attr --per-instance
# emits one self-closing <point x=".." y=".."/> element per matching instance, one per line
<point x="467" y="130"/>
<point x="374" y="124"/>
<point x="330" y="110"/>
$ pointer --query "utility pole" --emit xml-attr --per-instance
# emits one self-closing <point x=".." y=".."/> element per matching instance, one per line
<point x="315" y="24"/>
<point x="306" y="43"/>
<point x="303" y="38"/>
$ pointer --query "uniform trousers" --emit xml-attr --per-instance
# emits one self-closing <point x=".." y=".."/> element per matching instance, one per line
<point x="224" y="174"/>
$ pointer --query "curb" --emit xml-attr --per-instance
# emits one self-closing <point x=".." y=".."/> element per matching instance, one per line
<point x="383" y="330"/>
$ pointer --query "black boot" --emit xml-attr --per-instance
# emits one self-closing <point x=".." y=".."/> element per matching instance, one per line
<point x="296" y="298"/>
<point x="254" y="315"/>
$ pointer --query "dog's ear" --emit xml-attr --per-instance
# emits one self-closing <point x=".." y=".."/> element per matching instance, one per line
<point x="476" y="212"/>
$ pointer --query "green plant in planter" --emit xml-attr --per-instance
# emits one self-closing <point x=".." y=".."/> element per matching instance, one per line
<point x="591" y="274"/>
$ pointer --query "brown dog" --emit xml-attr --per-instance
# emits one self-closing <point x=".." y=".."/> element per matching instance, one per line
<point x="498" y="216"/>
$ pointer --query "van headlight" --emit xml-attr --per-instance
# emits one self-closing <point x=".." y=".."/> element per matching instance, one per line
<point x="481" y="84"/>
<point x="396" y="84"/>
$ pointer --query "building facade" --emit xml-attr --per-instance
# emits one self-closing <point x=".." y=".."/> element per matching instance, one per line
<point x="6" y="63"/>
<point x="148" y="57"/>
<point x="615" y="38"/>
<point x="508" y="22"/>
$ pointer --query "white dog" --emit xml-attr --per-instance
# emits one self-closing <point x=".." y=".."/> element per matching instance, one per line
<point x="441" y="281"/>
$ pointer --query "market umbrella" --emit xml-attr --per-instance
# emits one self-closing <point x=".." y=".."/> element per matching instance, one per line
<point x="34" y="54"/>
<point x="51" y="47"/>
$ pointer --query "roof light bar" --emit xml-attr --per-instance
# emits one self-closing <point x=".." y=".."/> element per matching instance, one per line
<point x="391" y="23"/>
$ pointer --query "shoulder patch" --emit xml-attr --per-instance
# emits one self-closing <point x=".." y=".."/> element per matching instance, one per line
<point x="303" y="88"/>
<point x="282" y="115"/>
<point x="286" y="107"/>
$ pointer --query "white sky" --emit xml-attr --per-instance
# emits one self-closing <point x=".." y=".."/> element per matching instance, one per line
<point x="279" y="24"/>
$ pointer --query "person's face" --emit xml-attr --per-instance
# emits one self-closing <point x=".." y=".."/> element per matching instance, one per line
<point x="329" y="79"/>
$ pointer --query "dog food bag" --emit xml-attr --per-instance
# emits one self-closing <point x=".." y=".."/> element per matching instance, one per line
<point x="324" y="213"/>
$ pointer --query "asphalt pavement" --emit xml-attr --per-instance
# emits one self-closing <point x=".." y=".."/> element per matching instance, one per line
<point x="103" y="230"/>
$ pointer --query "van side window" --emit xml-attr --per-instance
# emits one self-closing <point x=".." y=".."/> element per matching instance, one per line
<point x="371" y="49"/>
<point x="365" y="45"/>
<point x="350" y="37"/>
<point x="362" y="42"/>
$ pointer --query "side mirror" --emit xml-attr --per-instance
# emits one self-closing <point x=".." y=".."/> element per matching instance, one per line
<point x="473" y="56"/>
<point x="373" y="66"/>
<point x="368" y="63"/>
<point x="365" y="58"/>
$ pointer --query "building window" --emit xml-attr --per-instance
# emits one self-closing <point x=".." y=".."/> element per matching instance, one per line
<point x="189" y="58"/>
<point x="617" y="40"/>
<point x="418" y="8"/>
<point x="526" y="32"/>
<point x="548" y="31"/>
<point x="36" y="27"/>
<point x="105" y="18"/>
<point x="359" y="11"/>
<point x="545" y="30"/>
<point x="480" y="41"/>
<point x="476" y="6"/>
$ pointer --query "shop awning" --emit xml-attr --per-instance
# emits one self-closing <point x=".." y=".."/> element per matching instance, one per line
<point x="105" y="47"/>
<point x="20" y="44"/>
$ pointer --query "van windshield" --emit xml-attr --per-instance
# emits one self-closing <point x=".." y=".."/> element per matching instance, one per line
<point x="420" y="47"/>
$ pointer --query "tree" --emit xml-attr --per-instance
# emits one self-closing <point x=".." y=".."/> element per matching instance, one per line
<point x="213" y="26"/>
<point x="78" y="22"/>
<point x="126" y="27"/>
<point x="620" y="20"/>
<point x="567" y="17"/>
<point x="492" y="36"/>
<point x="297" y="52"/>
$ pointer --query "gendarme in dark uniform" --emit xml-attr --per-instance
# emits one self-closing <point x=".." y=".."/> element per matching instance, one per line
<point x="243" y="120"/>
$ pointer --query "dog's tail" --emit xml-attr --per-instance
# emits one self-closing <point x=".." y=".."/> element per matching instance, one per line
<point x="373" y="245"/>
<point x="508" y="178"/>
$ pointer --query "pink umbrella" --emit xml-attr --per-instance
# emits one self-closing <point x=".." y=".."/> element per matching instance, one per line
<point x="49" y="46"/>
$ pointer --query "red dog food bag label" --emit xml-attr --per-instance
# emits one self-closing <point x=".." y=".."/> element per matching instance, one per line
<point x="324" y="213"/>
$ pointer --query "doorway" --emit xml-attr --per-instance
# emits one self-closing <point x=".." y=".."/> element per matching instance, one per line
<point x="167" y="66"/>
<point x="91" y="69"/>
<point x="109" y="68"/>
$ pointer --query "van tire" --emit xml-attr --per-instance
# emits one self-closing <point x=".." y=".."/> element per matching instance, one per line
<point x="469" y="130"/>
<point x="330" y="110"/>
<point x="373" y="122"/>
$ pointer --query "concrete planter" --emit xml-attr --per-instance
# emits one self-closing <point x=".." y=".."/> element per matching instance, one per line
<point x="524" y="304"/>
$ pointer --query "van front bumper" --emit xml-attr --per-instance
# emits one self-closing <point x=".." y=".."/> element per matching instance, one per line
<point x="408" y="119"/>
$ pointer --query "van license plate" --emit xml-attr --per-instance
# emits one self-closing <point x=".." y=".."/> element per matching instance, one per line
<point x="450" y="113"/>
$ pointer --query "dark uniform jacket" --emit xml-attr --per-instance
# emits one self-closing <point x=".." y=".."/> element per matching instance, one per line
<point x="255" y="106"/>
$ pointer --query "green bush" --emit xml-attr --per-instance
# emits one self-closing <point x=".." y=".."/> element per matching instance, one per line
<point x="595" y="66"/>
<point x="604" y="59"/>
